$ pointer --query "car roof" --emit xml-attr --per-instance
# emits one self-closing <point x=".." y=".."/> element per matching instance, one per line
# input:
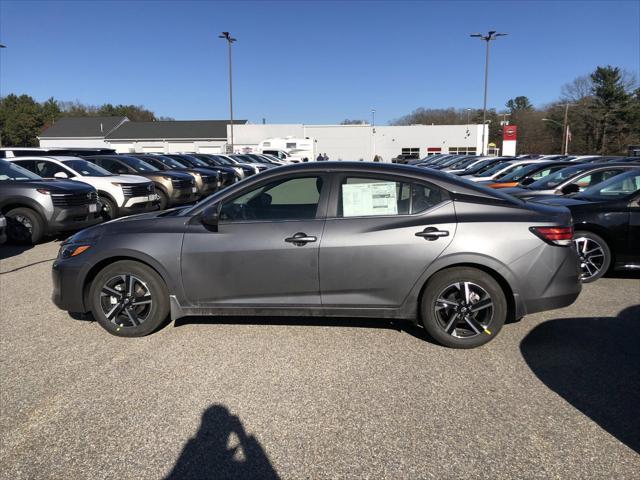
<point x="57" y="158"/>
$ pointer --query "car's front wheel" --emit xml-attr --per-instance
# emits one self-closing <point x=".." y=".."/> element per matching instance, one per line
<point x="463" y="307"/>
<point x="594" y="255"/>
<point x="24" y="226"/>
<point x="129" y="299"/>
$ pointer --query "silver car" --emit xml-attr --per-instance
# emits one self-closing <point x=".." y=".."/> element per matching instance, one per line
<point x="337" y="239"/>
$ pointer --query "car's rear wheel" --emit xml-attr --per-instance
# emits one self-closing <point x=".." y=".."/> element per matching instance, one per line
<point x="129" y="299"/>
<point x="463" y="307"/>
<point x="594" y="255"/>
<point x="24" y="226"/>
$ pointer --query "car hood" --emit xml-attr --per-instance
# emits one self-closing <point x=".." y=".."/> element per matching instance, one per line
<point x="127" y="179"/>
<point x="58" y="186"/>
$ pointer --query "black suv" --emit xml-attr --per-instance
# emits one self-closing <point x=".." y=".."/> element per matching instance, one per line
<point x="35" y="207"/>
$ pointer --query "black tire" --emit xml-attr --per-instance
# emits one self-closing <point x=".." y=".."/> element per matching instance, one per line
<point x="109" y="208"/>
<point x="24" y="226"/>
<point x="594" y="255"/>
<point x="447" y="311"/>
<point x="151" y="316"/>
<point x="164" y="199"/>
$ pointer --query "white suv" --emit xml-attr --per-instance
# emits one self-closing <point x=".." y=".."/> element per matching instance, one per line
<point x="120" y="194"/>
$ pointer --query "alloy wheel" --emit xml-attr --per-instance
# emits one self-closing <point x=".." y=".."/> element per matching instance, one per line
<point x="464" y="310"/>
<point x="126" y="301"/>
<point x="591" y="256"/>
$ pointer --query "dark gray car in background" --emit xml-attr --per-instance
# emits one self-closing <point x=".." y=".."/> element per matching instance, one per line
<point x="329" y="239"/>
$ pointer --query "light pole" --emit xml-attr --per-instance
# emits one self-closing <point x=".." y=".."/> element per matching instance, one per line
<point x="230" y="40"/>
<point x="492" y="35"/>
<point x="1" y="46"/>
<point x="565" y="128"/>
<point x="373" y="131"/>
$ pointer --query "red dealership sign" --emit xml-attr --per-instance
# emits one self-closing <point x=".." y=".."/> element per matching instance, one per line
<point x="509" y="132"/>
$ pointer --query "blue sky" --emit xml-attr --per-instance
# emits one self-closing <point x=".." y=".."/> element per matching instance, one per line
<point x="307" y="61"/>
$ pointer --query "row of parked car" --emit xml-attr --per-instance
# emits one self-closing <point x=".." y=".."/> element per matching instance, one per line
<point x="602" y="193"/>
<point x="51" y="191"/>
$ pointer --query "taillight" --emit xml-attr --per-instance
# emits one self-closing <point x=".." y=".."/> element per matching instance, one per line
<point x="562" y="236"/>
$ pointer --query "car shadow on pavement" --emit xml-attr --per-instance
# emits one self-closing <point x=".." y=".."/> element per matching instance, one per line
<point x="594" y="364"/>
<point x="351" y="322"/>
<point x="222" y="449"/>
<point x="8" y="251"/>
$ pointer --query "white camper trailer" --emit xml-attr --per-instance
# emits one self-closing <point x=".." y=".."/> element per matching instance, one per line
<point x="289" y="149"/>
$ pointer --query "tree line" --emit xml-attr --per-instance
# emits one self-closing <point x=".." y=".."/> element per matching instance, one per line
<point x="22" y="118"/>
<point x="603" y="116"/>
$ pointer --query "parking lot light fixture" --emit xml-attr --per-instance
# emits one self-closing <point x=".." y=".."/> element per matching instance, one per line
<point x="491" y="35"/>
<point x="227" y="36"/>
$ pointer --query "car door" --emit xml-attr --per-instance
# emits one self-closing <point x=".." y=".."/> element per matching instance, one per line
<point x="381" y="234"/>
<point x="265" y="249"/>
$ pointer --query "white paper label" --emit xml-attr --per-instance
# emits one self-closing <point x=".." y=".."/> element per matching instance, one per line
<point x="366" y="199"/>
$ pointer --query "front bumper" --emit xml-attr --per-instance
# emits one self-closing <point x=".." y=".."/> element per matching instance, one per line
<point x="184" y="195"/>
<point x="67" y="290"/>
<point x="73" y="218"/>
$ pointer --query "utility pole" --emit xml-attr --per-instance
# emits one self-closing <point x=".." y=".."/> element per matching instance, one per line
<point x="565" y="129"/>
<point x="373" y="131"/>
<point x="230" y="40"/>
<point x="492" y="35"/>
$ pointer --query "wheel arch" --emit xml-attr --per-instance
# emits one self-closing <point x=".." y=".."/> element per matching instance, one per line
<point x="11" y="203"/>
<point x="602" y="233"/>
<point x="99" y="266"/>
<point x="513" y="312"/>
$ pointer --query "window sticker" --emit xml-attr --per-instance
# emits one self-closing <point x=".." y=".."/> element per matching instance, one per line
<point x="365" y="199"/>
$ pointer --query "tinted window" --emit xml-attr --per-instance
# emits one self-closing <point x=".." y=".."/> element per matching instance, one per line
<point x="49" y="169"/>
<point x="9" y="171"/>
<point x="293" y="199"/>
<point x="617" y="187"/>
<point x="111" y="165"/>
<point x="139" y="165"/>
<point x="555" y="179"/>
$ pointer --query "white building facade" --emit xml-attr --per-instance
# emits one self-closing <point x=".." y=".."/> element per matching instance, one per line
<point x="364" y="142"/>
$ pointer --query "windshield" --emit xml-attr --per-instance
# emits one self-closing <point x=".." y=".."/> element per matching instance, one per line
<point x="519" y="173"/>
<point x="170" y="162"/>
<point x="195" y="161"/>
<point x="245" y="159"/>
<point x="481" y="166"/>
<point x="86" y="168"/>
<point x="138" y="165"/>
<point x="555" y="179"/>
<point x="492" y="170"/>
<point x="9" y="171"/>
<point x="464" y="163"/>
<point x="616" y="187"/>
<point x="223" y="160"/>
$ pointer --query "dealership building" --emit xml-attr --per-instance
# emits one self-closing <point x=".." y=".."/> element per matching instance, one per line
<point x="339" y="142"/>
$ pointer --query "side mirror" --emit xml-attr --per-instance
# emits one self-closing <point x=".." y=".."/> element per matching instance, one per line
<point x="527" y="181"/>
<point x="60" y="175"/>
<point x="569" y="189"/>
<point x="210" y="217"/>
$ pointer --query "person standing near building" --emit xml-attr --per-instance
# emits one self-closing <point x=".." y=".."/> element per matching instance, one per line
<point x="320" y="158"/>
<point x="326" y="157"/>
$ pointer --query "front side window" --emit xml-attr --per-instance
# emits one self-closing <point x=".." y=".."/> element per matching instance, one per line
<point x="617" y="187"/>
<point x="367" y="197"/>
<point x="594" y="178"/>
<point x="9" y="171"/>
<point x="292" y="199"/>
<point x="49" y="169"/>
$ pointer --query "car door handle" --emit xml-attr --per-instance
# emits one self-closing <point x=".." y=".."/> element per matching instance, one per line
<point x="299" y="239"/>
<point x="432" y="233"/>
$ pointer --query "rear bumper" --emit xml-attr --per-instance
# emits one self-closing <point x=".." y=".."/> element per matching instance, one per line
<point x="553" y="281"/>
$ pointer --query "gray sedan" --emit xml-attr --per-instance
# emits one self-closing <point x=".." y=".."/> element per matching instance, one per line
<point x="329" y="239"/>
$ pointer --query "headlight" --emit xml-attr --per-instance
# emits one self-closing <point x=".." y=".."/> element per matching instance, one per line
<point x="72" y="250"/>
<point x="117" y="184"/>
<point x="43" y="191"/>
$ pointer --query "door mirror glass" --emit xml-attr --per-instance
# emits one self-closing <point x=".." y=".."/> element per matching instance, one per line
<point x="60" y="175"/>
<point x="210" y="217"/>
<point x="569" y="189"/>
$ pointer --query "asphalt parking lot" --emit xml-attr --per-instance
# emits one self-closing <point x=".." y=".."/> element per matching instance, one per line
<point x="556" y="395"/>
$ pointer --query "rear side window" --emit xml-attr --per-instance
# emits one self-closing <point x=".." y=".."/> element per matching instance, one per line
<point x="372" y="197"/>
<point x="596" y="177"/>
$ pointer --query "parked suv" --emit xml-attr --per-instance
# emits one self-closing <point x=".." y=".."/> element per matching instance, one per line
<point x="120" y="195"/>
<point x="35" y="207"/>
<point x="173" y="188"/>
